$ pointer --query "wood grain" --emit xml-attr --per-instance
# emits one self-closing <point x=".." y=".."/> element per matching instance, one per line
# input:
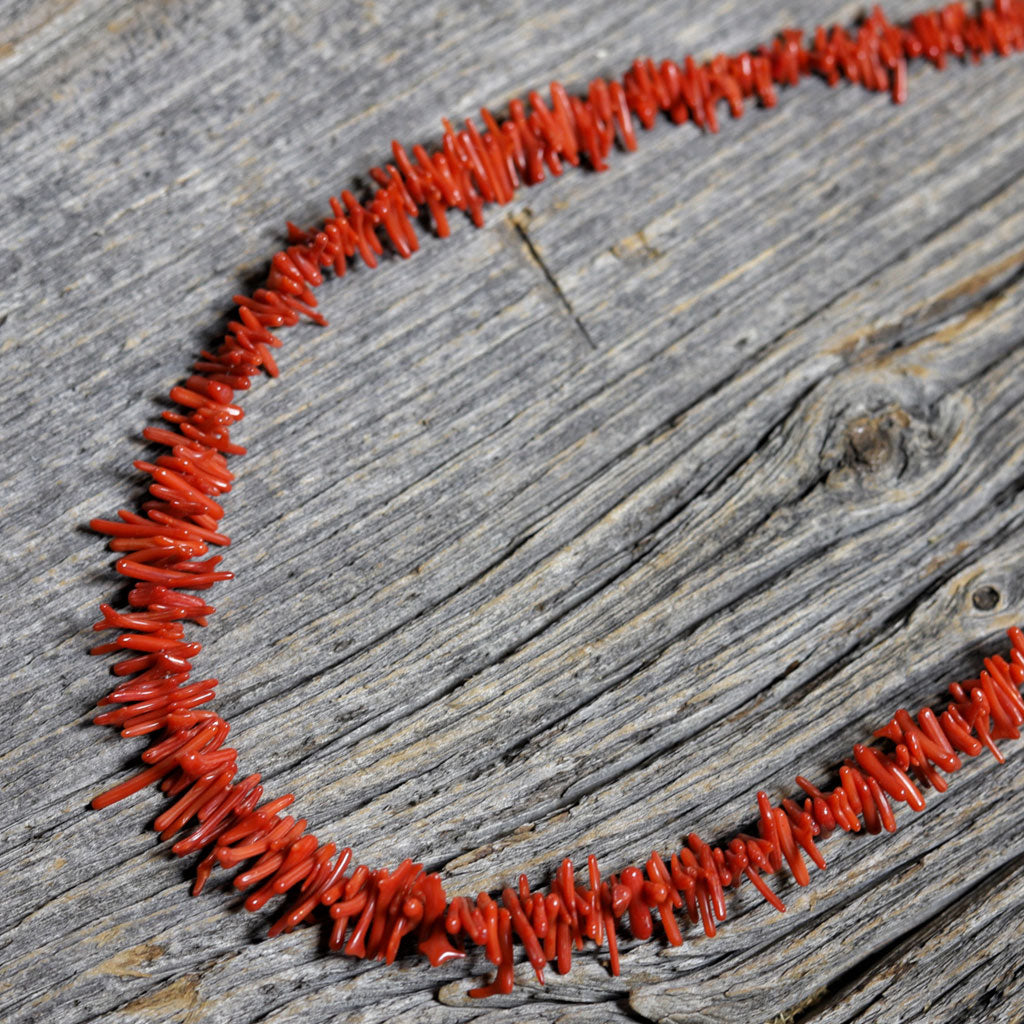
<point x="566" y="536"/>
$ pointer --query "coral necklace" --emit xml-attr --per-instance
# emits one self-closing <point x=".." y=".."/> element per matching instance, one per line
<point x="373" y="912"/>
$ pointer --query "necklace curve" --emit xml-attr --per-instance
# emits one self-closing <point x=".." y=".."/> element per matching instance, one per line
<point x="162" y="549"/>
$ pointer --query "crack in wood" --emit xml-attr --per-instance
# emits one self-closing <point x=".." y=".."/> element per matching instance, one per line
<point x="524" y="236"/>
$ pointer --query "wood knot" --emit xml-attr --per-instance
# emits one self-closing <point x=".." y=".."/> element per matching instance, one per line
<point x="874" y="441"/>
<point x="893" y="447"/>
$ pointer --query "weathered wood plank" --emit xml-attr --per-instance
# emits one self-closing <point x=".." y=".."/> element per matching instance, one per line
<point x="971" y="946"/>
<point x="685" y="474"/>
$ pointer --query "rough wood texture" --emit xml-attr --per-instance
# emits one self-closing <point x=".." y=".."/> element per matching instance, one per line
<point x="565" y="536"/>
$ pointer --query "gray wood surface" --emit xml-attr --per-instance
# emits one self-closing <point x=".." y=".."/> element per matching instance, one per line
<point x="565" y="536"/>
